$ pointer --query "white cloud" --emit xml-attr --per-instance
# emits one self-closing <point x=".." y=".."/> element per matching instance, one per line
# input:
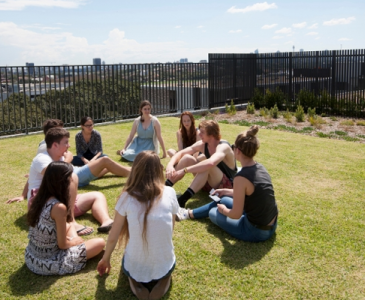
<point x="314" y="26"/>
<point x="22" y="4"/>
<point x="235" y="31"/>
<point x="312" y="33"/>
<point x="200" y="27"/>
<point x="178" y="26"/>
<point x="277" y="37"/>
<point x="344" y="39"/>
<point x="256" y="7"/>
<point x="269" y="26"/>
<point x="341" y="21"/>
<point x="300" y="25"/>
<point x="284" y="30"/>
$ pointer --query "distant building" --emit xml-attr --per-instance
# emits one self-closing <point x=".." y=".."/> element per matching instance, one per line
<point x="183" y="60"/>
<point x="203" y="61"/>
<point x="30" y="68"/>
<point x="301" y="50"/>
<point x="97" y="62"/>
<point x="257" y="51"/>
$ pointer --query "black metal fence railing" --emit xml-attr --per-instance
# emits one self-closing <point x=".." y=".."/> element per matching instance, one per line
<point x="29" y="95"/>
<point x="331" y="81"/>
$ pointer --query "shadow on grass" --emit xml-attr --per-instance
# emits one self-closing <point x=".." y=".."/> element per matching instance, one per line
<point x="238" y="254"/>
<point x="92" y="188"/>
<point x="21" y="222"/>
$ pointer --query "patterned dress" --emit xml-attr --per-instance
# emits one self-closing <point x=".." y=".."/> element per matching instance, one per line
<point x="42" y="255"/>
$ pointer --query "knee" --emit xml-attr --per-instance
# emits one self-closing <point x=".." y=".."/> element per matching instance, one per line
<point x="75" y="179"/>
<point x="213" y="214"/>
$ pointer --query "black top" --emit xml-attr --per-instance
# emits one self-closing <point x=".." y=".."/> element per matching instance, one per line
<point x="222" y="166"/>
<point x="261" y="206"/>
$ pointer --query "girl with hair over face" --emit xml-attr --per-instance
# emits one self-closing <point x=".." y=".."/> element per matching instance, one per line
<point x="54" y="247"/>
<point x="187" y="134"/>
<point x="248" y="211"/>
<point x="144" y="222"/>
<point x="148" y="130"/>
<point x="88" y="143"/>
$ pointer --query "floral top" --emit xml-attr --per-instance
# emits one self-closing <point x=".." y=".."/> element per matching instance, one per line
<point x="94" y="144"/>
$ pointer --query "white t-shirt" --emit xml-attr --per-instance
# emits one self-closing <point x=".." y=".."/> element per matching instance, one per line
<point x="151" y="260"/>
<point x="42" y="147"/>
<point x="41" y="161"/>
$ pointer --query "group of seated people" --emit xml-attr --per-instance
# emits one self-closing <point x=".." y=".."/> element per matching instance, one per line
<point x="244" y="202"/>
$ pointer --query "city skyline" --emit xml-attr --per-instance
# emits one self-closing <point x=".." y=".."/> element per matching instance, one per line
<point x="76" y="31"/>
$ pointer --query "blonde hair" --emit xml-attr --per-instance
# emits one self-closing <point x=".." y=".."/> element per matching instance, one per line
<point x="145" y="183"/>
<point x="211" y="128"/>
<point x="247" y="142"/>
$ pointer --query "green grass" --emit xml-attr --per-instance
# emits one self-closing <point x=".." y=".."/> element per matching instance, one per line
<point x="317" y="252"/>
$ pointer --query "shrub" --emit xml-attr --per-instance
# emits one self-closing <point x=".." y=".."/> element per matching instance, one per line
<point x="258" y="98"/>
<point x="287" y="115"/>
<point x="299" y="114"/>
<point x="264" y="112"/>
<point x="307" y="99"/>
<point x="360" y="123"/>
<point x="251" y="108"/>
<point x="231" y="109"/>
<point x="333" y="119"/>
<point x="316" y="121"/>
<point x="272" y="98"/>
<point x="261" y="123"/>
<point x="274" y="112"/>
<point x="347" y="123"/>
<point x="311" y="112"/>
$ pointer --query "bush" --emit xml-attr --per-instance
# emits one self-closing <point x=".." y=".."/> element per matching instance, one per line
<point x="258" y="98"/>
<point x="277" y="97"/>
<point x="347" y="123"/>
<point x="251" y="108"/>
<point x="311" y="112"/>
<point x="360" y="123"/>
<point x="299" y="114"/>
<point x="316" y="121"/>
<point x="287" y="115"/>
<point x="264" y="112"/>
<point x="274" y="112"/>
<point x="231" y="109"/>
<point x="307" y="99"/>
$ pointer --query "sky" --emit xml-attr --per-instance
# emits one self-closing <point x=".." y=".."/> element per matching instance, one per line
<point x="73" y="32"/>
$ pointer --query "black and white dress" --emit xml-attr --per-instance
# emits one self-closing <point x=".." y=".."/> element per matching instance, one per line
<point x="42" y="255"/>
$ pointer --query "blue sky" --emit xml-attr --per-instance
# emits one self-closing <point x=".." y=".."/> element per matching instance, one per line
<point x="54" y="32"/>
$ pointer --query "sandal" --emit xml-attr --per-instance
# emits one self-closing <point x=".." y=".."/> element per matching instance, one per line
<point x="79" y="232"/>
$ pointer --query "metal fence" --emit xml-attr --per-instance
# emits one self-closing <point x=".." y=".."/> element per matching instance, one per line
<point x="330" y="81"/>
<point x="29" y="95"/>
<point x="334" y="80"/>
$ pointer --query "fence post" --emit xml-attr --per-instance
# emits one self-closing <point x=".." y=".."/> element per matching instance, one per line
<point x="317" y="71"/>
<point x="333" y="84"/>
<point x="290" y="76"/>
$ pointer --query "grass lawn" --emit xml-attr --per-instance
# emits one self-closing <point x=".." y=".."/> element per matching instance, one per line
<point x="318" y="251"/>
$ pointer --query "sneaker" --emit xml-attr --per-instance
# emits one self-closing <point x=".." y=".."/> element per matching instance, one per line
<point x="182" y="214"/>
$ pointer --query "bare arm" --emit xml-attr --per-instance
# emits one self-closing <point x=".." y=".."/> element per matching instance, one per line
<point x="159" y="137"/>
<point x="240" y="189"/>
<point x="22" y="197"/>
<point x="104" y="263"/>
<point x="59" y="215"/>
<point x="180" y="144"/>
<point x="131" y="136"/>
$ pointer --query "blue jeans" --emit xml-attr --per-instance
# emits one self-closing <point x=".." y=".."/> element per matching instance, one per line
<point x="241" y="228"/>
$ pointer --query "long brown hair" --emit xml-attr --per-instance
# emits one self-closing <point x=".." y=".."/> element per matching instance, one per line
<point x="143" y="104"/>
<point x="188" y="138"/>
<point x="145" y="183"/>
<point x="55" y="183"/>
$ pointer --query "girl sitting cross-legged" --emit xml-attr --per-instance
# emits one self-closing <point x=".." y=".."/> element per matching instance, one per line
<point x="54" y="247"/>
<point x="248" y="211"/>
<point x="144" y="222"/>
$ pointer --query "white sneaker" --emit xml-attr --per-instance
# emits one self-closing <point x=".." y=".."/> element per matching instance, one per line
<point x="182" y="214"/>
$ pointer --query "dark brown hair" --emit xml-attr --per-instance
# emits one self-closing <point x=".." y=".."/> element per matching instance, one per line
<point x="55" y="135"/>
<point x="247" y="142"/>
<point x="85" y="119"/>
<point x="51" y="123"/>
<point x="188" y="138"/>
<point x="55" y="183"/>
<point x="212" y="128"/>
<point x="143" y="104"/>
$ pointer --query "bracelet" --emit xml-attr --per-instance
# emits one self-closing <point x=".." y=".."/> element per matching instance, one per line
<point x="186" y="170"/>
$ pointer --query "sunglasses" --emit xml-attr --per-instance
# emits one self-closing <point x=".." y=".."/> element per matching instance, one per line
<point x="89" y="125"/>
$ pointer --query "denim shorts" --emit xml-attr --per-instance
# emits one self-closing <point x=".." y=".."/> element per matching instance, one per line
<point x="84" y="175"/>
<point x="167" y="274"/>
